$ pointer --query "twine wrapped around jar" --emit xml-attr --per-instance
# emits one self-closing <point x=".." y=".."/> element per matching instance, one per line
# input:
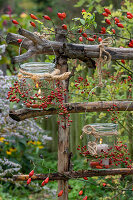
<point x="92" y="146"/>
<point x="55" y="75"/>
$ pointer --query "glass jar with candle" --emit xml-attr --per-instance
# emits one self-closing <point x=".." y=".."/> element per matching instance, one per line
<point x="101" y="139"/>
<point x="35" y="85"/>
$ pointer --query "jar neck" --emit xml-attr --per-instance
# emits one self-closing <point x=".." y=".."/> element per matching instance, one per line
<point x="38" y="67"/>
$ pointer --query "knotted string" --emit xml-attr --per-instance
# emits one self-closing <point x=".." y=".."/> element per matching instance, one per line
<point x="92" y="146"/>
<point x="55" y="75"/>
<point x="102" y="60"/>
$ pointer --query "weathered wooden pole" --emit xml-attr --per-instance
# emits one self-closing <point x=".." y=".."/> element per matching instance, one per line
<point x="63" y="133"/>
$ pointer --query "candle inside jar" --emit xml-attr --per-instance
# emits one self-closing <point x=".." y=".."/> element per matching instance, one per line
<point x="103" y="148"/>
<point x="39" y="93"/>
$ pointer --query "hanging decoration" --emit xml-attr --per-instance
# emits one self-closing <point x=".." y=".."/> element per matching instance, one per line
<point x="104" y="155"/>
<point x="38" y="86"/>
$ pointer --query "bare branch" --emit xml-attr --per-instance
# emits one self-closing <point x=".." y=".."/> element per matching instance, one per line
<point x="76" y="174"/>
<point x="12" y="39"/>
<point x="72" y="51"/>
<point x="23" y="57"/>
<point x="31" y="36"/>
<point x="23" y="114"/>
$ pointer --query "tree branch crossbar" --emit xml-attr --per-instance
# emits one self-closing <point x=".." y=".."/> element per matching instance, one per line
<point x="76" y="174"/>
<point x="36" y="45"/>
<point x="23" y="114"/>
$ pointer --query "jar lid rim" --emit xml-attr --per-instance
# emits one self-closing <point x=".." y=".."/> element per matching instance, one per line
<point x="40" y="63"/>
<point x="104" y="125"/>
<point x="38" y="67"/>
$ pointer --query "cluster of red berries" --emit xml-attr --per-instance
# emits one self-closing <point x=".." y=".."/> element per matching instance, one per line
<point x="90" y="39"/>
<point x="117" y="22"/>
<point x="43" y="183"/>
<point x="82" y="85"/>
<point x="113" y="112"/>
<point x="129" y="15"/>
<point x="60" y="15"/>
<point x="130" y="44"/>
<point x="53" y="97"/>
<point x="118" y="155"/>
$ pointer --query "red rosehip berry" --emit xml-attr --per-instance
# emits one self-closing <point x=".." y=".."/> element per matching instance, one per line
<point x="33" y="24"/>
<point x="80" y="39"/>
<point x="35" y="106"/>
<point x="47" y="17"/>
<point x="113" y="30"/>
<point x="84" y="34"/>
<point x="85" y="178"/>
<point x="83" y="10"/>
<point x="90" y="39"/>
<point x="28" y="105"/>
<point x="130" y="44"/>
<point x="80" y="30"/>
<point x="123" y="61"/>
<point x="99" y="39"/>
<point x="128" y="13"/>
<point x="104" y="184"/>
<point x="85" y="198"/>
<point x="14" y="21"/>
<point x="120" y="25"/>
<point x="19" y="40"/>
<point x="64" y="15"/>
<point x="43" y="183"/>
<point x="28" y="181"/>
<point x="33" y="16"/>
<point x="116" y="20"/>
<point x="31" y="173"/>
<point x="107" y="11"/>
<point x="46" y="180"/>
<point x="64" y="26"/>
<point x="105" y="14"/>
<point x="81" y="192"/>
<point x="94" y="36"/>
<point x="131" y="41"/>
<point x="60" y="193"/>
<point x="61" y="15"/>
<point x="107" y="21"/>
<point x="129" y="16"/>
<point x="94" y="164"/>
<point x="99" y="167"/>
<point x="103" y="29"/>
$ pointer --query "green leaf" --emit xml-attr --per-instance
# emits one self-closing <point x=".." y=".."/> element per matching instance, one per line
<point x="95" y="24"/>
<point x="82" y="21"/>
<point x="76" y="19"/>
<point x="39" y="22"/>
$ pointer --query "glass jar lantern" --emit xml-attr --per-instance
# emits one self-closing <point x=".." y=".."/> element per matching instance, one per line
<point x="101" y="139"/>
<point x="35" y="88"/>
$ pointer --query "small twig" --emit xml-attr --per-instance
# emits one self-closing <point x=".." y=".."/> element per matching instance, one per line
<point x="124" y="67"/>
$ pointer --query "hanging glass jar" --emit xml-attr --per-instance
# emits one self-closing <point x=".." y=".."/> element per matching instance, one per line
<point x="101" y="140"/>
<point x="36" y="84"/>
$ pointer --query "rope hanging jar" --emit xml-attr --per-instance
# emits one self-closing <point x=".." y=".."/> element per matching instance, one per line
<point x="101" y="137"/>
<point x="37" y="82"/>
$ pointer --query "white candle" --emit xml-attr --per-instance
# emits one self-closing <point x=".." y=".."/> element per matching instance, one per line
<point x="100" y="149"/>
<point x="39" y="93"/>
